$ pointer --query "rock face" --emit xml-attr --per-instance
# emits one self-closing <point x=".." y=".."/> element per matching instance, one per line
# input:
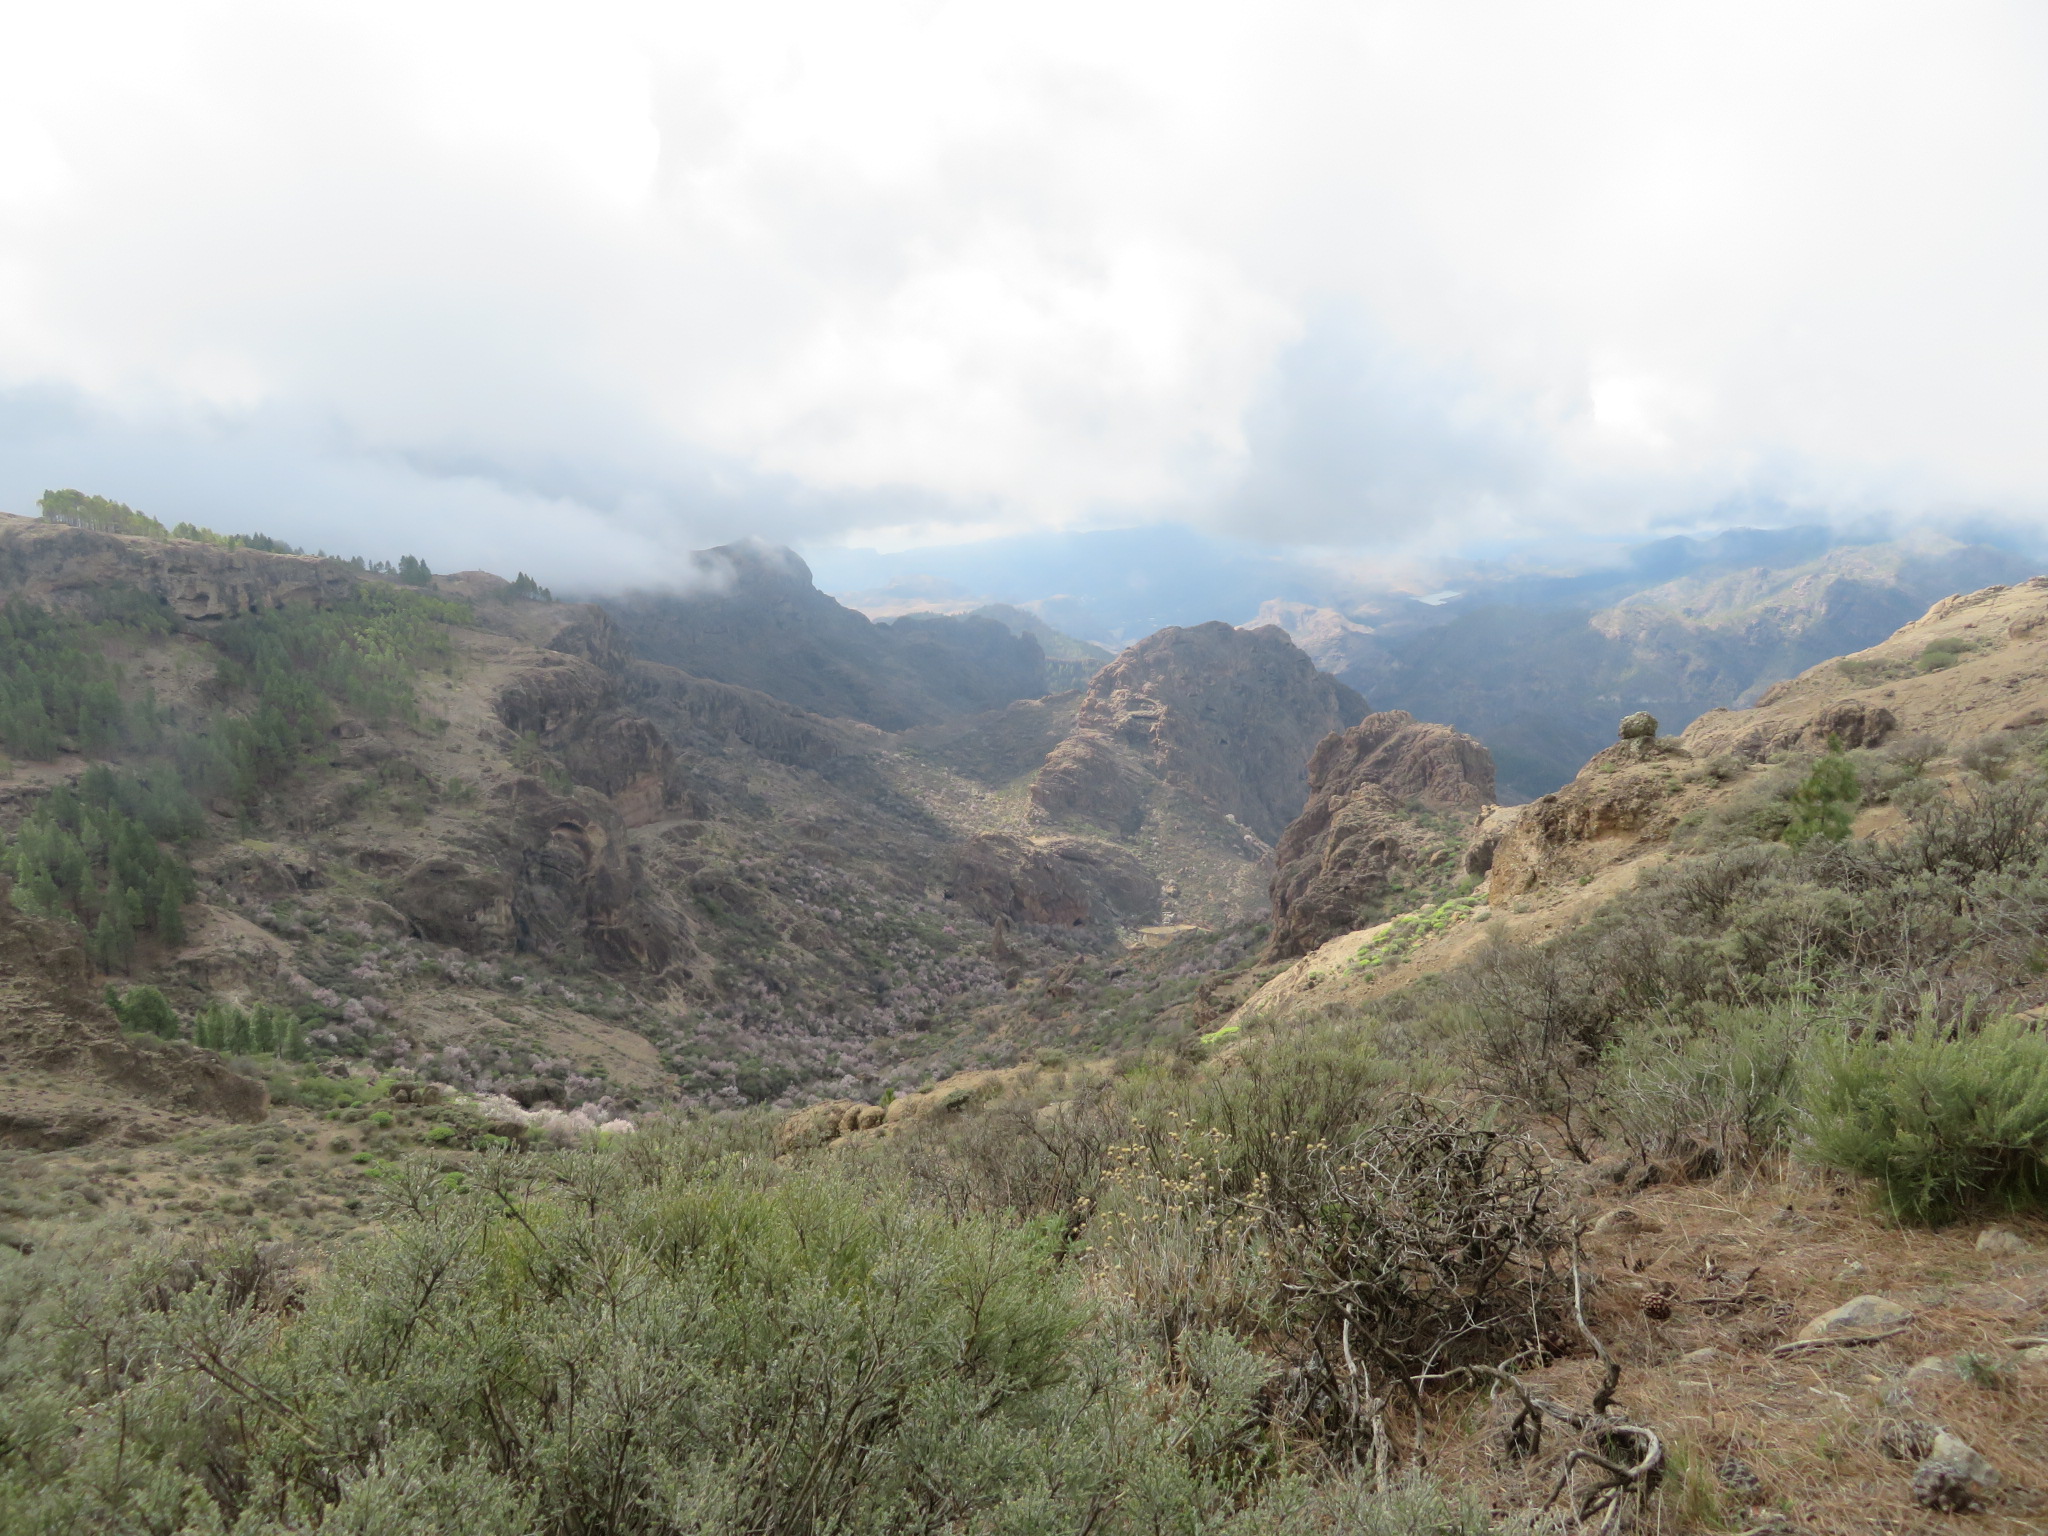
<point x="1068" y="882"/>
<point x="1356" y="836"/>
<point x="1620" y="802"/>
<point x="756" y="620"/>
<point x="1228" y="716"/>
<point x="66" y="568"/>
<point x="569" y="707"/>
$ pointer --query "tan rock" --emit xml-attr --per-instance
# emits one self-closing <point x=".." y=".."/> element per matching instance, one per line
<point x="1624" y="1221"/>
<point x="2002" y="1242"/>
<point x="1865" y="1314"/>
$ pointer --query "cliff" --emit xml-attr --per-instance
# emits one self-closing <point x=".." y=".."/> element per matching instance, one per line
<point x="1360" y="838"/>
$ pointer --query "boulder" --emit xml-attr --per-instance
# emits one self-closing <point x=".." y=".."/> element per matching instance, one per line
<point x="814" y="1126"/>
<point x="1640" y="726"/>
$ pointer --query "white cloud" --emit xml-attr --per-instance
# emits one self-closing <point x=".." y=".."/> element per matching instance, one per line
<point x="591" y="283"/>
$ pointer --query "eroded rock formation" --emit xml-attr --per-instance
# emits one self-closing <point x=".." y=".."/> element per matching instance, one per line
<point x="1228" y="716"/>
<point x="1360" y="833"/>
<point x="1056" y="881"/>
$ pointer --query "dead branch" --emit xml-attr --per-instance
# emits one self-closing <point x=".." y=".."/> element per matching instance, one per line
<point x="1843" y="1341"/>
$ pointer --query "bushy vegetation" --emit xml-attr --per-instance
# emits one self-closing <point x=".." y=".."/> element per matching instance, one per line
<point x="1943" y="1119"/>
<point x="145" y="1010"/>
<point x="665" y="1335"/>
<point x="1844" y="996"/>
<point x="97" y="513"/>
<point x="221" y="1026"/>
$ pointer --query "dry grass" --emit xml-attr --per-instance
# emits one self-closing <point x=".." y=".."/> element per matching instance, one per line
<point x="1806" y="1423"/>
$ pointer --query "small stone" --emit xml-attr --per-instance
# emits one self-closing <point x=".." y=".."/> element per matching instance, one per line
<point x="1622" y="1221"/>
<point x="1707" y="1356"/>
<point x="1954" y="1478"/>
<point x="1740" y="1479"/>
<point x="2033" y="1357"/>
<point x="1931" y="1368"/>
<point x="1640" y="726"/>
<point x="1855" y="1269"/>
<point x="1865" y="1314"/>
<point x="2002" y="1242"/>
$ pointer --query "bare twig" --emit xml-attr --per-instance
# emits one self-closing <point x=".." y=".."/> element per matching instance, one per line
<point x="1844" y="1341"/>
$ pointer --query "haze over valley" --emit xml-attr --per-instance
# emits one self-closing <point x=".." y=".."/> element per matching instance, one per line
<point x="910" y="770"/>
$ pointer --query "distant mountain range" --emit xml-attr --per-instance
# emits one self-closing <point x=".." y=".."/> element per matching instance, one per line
<point x="1539" y="664"/>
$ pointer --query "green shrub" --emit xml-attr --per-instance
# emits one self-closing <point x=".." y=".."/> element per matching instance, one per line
<point x="1717" y="1096"/>
<point x="1824" y="804"/>
<point x="625" y="1348"/>
<point x="1943" y="1120"/>
<point x="1944" y="653"/>
<point x="146" y="1011"/>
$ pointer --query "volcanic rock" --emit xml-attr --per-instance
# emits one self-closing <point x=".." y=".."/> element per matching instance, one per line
<point x="1228" y="716"/>
<point x="1356" y="835"/>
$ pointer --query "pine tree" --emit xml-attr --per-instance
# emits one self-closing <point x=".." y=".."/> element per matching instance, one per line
<point x="170" y="916"/>
<point x="1824" y="805"/>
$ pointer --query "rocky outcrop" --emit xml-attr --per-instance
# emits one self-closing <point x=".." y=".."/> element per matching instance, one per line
<point x="577" y="881"/>
<point x="1228" y="716"/>
<point x="68" y="568"/>
<point x="1622" y="801"/>
<point x="778" y="731"/>
<point x="1067" y="882"/>
<point x="452" y="903"/>
<point x="569" y="706"/>
<point x="1852" y="723"/>
<point x="1358" y="835"/>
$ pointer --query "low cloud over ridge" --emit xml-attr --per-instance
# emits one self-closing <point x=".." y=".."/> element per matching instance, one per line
<point x="583" y="288"/>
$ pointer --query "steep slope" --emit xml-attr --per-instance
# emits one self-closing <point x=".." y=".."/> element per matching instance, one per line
<point x="752" y="617"/>
<point x="1965" y="683"/>
<point x="1226" y="716"/>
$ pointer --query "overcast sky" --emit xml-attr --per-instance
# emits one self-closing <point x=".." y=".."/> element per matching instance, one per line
<point x="576" y="286"/>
